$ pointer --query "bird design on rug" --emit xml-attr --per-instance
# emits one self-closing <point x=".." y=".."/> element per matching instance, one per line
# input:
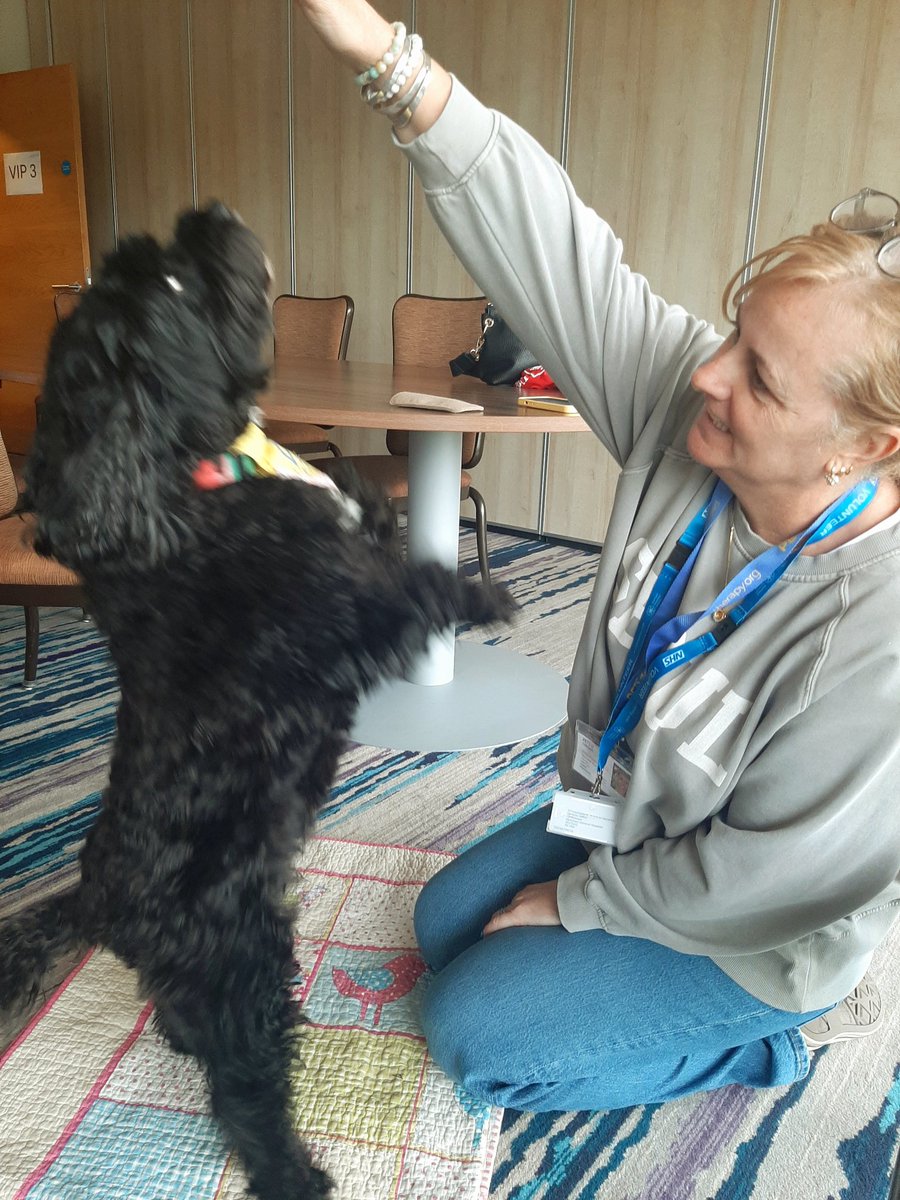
<point x="378" y="986"/>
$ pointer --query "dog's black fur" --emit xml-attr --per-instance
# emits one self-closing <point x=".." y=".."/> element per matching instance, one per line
<point x="244" y="623"/>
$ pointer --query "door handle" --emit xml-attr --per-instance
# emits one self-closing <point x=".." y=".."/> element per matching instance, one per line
<point x="66" y="287"/>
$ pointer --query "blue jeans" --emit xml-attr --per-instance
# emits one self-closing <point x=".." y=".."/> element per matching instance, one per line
<point x="539" y="1019"/>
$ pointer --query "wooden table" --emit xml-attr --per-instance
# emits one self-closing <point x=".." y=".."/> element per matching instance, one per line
<point x="463" y="695"/>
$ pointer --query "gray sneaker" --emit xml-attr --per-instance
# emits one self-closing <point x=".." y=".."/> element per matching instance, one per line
<point x="857" y="1016"/>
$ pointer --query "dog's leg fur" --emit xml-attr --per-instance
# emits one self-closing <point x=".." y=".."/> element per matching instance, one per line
<point x="231" y="1008"/>
<point x="408" y="603"/>
<point x="31" y="943"/>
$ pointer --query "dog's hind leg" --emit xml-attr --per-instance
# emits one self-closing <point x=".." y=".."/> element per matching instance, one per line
<point x="32" y="941"/>
<point x="240" y="1021"/>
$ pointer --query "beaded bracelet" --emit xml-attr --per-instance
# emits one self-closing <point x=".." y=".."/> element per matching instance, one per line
<point x="379" y="67"/>
<point x="380" y="91"/>
<point x="407" y="105"/>
<point x="381" y="84"/>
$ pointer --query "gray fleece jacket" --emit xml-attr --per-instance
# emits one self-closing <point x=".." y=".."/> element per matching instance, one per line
<point x="762" y="823"/>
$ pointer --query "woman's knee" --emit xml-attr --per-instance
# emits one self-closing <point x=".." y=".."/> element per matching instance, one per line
<point x="428" y="923"/>
<point x="449" y="914"/>
<point x="454" y="1029"/>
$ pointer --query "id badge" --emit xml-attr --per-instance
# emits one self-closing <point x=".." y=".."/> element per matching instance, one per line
<point x="587" y="750"/>
<point x="580" y="814"/>
<point x="615" y="778"/>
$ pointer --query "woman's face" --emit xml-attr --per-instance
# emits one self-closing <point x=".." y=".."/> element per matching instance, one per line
<point x="768" y="417"/>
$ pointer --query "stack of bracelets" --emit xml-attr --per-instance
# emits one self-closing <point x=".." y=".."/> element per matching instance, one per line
<point x="381" y="84"/>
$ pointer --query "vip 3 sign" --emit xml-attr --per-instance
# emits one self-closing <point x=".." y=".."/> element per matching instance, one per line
<point x="22" y="173"/>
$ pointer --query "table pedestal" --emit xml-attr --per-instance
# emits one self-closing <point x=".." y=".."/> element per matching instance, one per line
<point x="459" y="695"/>
<point x="432" y="531"/>
<point x="495" y="698"/>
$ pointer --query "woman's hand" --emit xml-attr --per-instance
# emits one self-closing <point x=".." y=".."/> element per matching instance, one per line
<point x="533" y="905"/>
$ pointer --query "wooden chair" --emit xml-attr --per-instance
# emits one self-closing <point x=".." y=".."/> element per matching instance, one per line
<point x="309" y="327"/>
<point x="429" y="331"/>
<point x="26" y="578"/>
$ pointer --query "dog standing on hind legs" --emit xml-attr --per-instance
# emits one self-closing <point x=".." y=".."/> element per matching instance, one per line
<point x="244" y="620"/>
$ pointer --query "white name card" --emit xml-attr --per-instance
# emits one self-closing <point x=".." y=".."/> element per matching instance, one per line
<point x="578" y="814"/>
<point x="22" y="173"/>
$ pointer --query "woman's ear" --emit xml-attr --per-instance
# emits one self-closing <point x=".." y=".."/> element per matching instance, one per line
<point x="873" y="447"/>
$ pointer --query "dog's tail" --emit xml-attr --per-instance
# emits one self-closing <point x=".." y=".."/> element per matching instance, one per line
<point x="32" y="941"/>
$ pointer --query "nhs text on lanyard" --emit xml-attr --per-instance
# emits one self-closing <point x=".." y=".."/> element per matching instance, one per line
<point x="653" y="652"/>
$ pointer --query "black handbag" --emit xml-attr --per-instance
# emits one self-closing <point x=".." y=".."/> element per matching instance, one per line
<point x="498" y="356"/>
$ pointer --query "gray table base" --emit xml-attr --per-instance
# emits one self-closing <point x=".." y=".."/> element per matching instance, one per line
<point x="494" y="698"/>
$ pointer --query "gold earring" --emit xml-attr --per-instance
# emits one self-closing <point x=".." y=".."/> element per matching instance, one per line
<point x="834" y="473"/>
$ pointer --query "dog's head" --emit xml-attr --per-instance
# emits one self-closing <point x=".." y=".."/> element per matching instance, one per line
<point x="156" y="368"/>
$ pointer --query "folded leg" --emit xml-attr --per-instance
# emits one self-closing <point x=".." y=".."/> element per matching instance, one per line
<point x="540" y="1019"/>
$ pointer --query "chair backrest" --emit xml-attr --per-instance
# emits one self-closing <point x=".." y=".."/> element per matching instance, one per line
<point x="9" y="492"/>
<point x="430" y="330"/>
<point x="427" y="332"/>
<point x="65" y="304"/>
<point x="311" y="327"/>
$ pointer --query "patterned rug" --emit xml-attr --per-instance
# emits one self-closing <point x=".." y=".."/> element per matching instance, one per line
<point x="832" y="1137"/>
<point x="93" y="1103"/>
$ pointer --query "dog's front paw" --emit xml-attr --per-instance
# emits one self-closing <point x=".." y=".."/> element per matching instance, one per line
<point x="491" y="602"/>
<point x="378" y="517"/>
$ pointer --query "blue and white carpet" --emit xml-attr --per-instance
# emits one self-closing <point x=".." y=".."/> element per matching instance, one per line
<point x="833" y="1136"/>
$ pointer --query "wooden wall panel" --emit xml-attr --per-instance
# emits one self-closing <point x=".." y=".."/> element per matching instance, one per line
<point x="38" y="33"/>
<point x="665" y="103"/>
<point x="509" y="479"/>
<point x="241" y="115"/>
<point x="526" y="80"/>
<point x="351" y="187"/>
<point x="665" y="107"/>
<point x="581" y="486"/>
<point x="833" y="123"/>
<point x="150" y="98"/>
<point x="79" y="37"/>
<point x="351" y="207"/>
<point x="15" y="36"/>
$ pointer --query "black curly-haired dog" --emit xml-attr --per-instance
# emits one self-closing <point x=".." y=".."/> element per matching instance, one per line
<point x="244" y="623"/>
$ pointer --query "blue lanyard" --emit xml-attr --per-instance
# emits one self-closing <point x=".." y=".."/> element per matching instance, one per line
<point x="665" y="598"/>
<point x="653" y="654"/>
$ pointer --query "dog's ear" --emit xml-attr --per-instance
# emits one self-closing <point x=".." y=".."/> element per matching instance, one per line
<point x="109" y="469"/>
<point x="105" y="487"/>
<point x="214" y="247"/>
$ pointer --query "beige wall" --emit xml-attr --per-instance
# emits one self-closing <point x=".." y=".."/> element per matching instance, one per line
<point x="653" y="106"/>
<point x="15" y="51"/>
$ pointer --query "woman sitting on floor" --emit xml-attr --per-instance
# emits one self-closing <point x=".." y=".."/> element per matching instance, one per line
<point x="739" y="661"/>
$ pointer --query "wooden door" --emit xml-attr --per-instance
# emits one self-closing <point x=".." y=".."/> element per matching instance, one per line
<point x="43" y="227"/>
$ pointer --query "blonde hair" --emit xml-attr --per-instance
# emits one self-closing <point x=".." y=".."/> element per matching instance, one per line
<point x="866" y="389"/>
